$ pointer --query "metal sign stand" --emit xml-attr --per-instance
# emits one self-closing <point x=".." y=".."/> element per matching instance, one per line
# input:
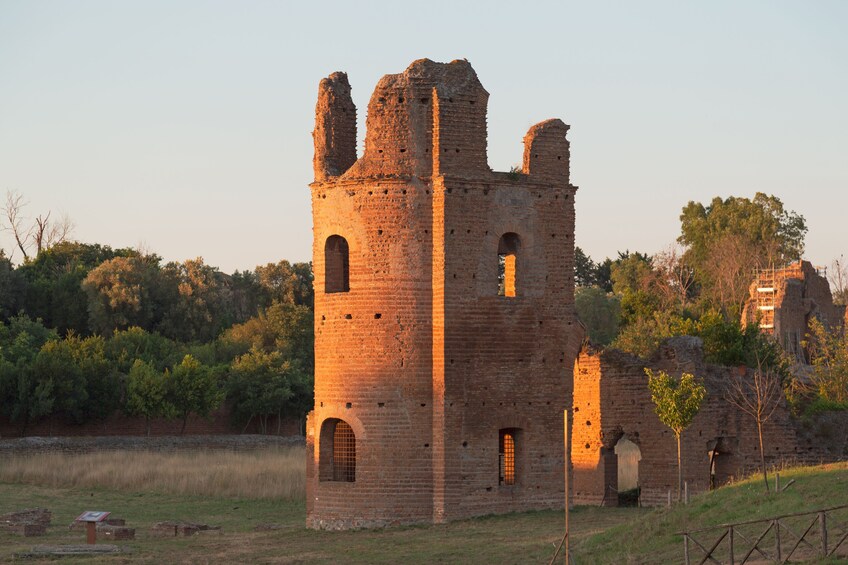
<point x="91" y="518"/>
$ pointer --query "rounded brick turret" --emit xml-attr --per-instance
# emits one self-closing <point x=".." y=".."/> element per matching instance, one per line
<point x="445" y="331"/>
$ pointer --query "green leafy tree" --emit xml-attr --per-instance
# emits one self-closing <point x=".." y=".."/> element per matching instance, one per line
<point x="126" y="346"/>
<point x="103" y="383"/>
<point x="585" y="270"/>
<point x="248" y="296"/>
<point x="676" y="403"/>
<point x="53" y="283"/>
<point x="287" y="283"/>
<point x="603" y="274"/>
<point x="829" y="355"/>
<point x="24" y="398"/>
<point x="83" y="382"/>
<point x="203" y="304"/>
<point x="124" y="292"/>
<point x="12" y="288"/>
<point x="147" y="394"/>
<point x="600" y="312"/>
<point x="727" y="239"/>
<point x="262" y="385"/>
<point x="283" y="327"/>
<point x="727" y="342"/>
<point x="644" y="335"/>
<point x="193" y="389"/>
<point x="55" y="369"/>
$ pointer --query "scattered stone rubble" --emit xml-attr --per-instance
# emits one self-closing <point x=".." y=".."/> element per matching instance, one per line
<point x="176" y="528"/>
<point x="27" y="523"/>
<point x="78" y="549"/>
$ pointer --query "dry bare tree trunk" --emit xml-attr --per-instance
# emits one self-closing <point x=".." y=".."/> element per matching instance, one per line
<point x="757" y="397"/>
<point x="762" y="453"/>
<point x="838" y="277"/>
<point x="43" y="232"/>
<point x="12" y="211"/>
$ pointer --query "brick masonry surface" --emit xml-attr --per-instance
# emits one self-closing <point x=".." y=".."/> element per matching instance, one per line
<point x="612" y="401"/>
<point x="414" y="347"/>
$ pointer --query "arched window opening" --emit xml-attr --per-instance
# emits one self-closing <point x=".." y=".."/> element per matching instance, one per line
<point x="507" y="259"/>
<point x="628" y="455"/>
<point x="337" y="458"/>
<point x="723" y="462"/>
<point x="507" y="450"/>
<point x="344" y="453"/>
<point x="336" y="265"/>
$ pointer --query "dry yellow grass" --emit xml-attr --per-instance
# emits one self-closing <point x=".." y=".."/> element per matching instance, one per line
<point x="261" y="474"/>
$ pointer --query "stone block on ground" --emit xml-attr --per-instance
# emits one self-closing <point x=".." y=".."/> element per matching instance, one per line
<point x="174" y="528"/>
<point x="27" y="530"/>
<point x="28" y="516"/>
<point x="116" y="532"/>
<point x="27" y="523"/>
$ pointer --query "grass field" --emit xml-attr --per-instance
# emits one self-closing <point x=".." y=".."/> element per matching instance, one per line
<point x="600" y="535"/>
<point x="264" y="474"/>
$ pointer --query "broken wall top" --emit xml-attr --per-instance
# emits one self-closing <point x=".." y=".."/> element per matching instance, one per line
<point x="428" y="120"/>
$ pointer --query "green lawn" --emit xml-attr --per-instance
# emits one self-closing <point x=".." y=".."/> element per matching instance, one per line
<point x="654" y="539"/>
<point x="516" y="538"/>
<point x="599" y="535"/>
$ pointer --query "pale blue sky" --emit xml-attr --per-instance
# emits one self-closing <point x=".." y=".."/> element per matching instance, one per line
<point x="186" y="125"/>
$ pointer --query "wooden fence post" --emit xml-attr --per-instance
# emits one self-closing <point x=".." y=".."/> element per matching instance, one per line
<point x="732" y="559"/>
<point x="774" y="524"/>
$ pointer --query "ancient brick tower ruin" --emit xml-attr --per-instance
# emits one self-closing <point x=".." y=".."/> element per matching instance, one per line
<point x="445" y="332"/>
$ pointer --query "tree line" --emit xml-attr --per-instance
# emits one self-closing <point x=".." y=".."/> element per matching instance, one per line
<point x="87" y="331"/>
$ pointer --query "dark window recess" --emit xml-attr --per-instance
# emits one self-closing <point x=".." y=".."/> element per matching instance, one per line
<point x="336" y="265"/>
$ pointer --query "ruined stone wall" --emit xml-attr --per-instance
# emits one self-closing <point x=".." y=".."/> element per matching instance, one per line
<point x="420" y="355"/>
<point x="612" y="401"/>
<point x="508" y="360"/>
<point x="801" y="294"/>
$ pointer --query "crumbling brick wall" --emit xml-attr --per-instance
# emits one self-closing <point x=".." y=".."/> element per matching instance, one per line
<point x="419" y="354"/>
<point x="612" y="400"/>
<point x="800" y="294"/>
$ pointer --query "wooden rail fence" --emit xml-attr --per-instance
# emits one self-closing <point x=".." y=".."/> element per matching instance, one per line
<point x="777" y="543"/>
